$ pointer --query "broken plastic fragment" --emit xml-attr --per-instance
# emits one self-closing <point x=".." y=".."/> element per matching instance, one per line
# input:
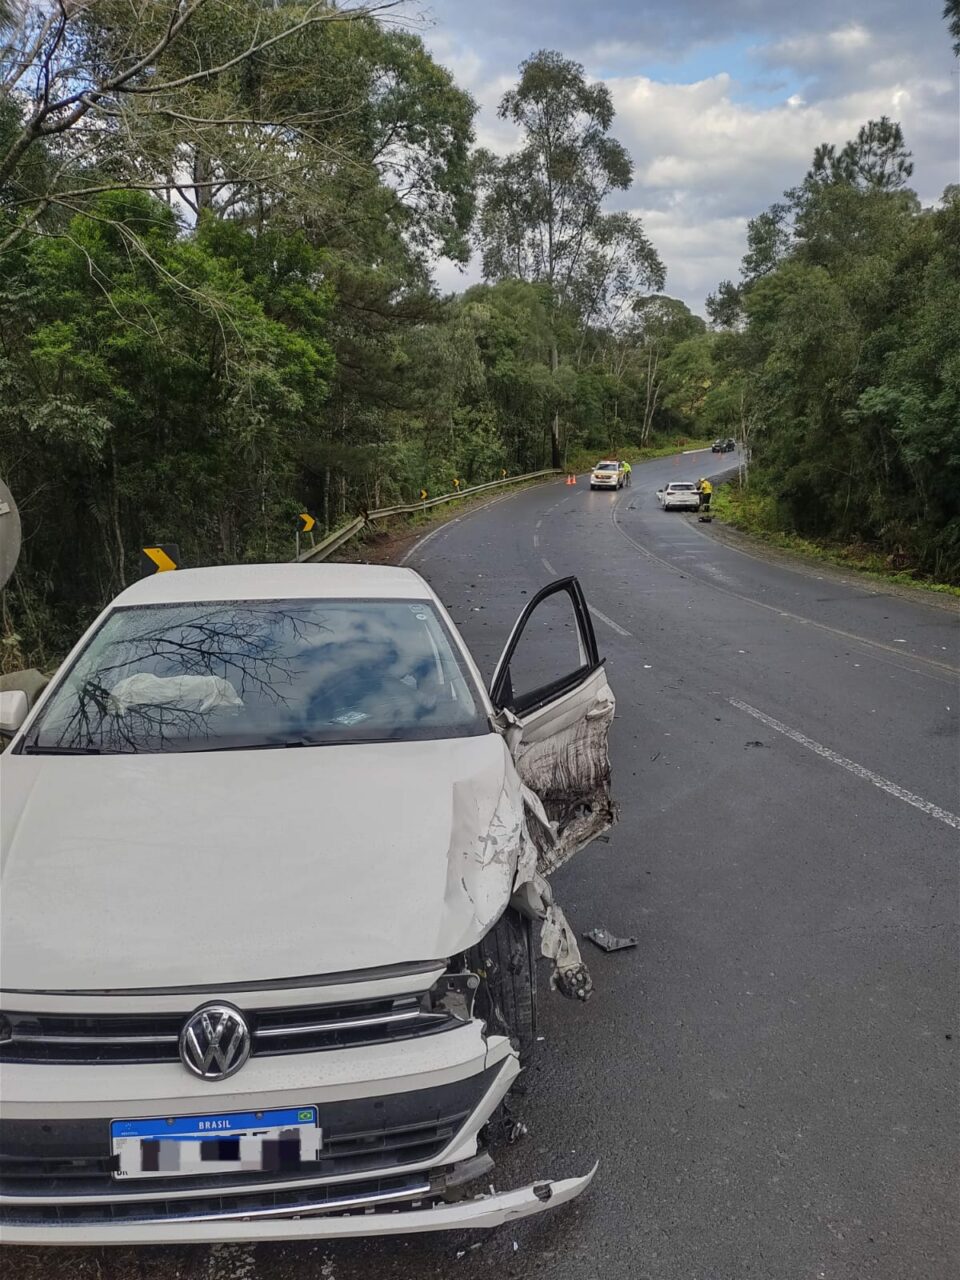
<point x="608" y="941"/>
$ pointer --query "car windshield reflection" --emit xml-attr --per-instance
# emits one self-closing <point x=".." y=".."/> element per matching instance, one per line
<point x="222" y="676"/>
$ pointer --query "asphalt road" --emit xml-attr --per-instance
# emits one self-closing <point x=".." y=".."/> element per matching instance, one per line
<point x="768" y="1079"/>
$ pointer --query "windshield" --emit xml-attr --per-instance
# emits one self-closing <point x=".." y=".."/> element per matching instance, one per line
<point x="606" y="466"/>
<point x="677" y="486"/>
<point x="270" y="673"/>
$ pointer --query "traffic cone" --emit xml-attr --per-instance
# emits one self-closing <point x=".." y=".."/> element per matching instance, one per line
<point x="571" y="479"/>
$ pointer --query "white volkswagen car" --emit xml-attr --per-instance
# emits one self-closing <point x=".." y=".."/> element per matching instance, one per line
<point x="273" y="887"/>
<point x="679" y="495"/>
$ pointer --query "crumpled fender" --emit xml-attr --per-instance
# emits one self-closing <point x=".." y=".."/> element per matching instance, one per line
<point x="533" y="897"/>
<point x="504" y="867"/>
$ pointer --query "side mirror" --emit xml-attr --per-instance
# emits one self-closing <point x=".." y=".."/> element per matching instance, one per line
<point x="13" y="711"/>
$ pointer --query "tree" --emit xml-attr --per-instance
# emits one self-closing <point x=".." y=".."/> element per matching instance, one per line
<point x="951" y="12"/>
<point x="846" y="356"/>
<point x="876" y="159"/>
<point x="725" y="307"/>
<point x="92" y="86"/>
<point x="541" y="214"/>
<point x="661" y="323"/>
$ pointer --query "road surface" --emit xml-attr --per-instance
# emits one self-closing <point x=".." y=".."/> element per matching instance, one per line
<point x="768" y="1079"/>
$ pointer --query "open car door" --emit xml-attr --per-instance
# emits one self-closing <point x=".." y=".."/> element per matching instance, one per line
<point x="555" y="709"/>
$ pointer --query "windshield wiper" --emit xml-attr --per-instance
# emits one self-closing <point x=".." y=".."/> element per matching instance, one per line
<point x="34" y="749"/>
<point x="264" y="744"/>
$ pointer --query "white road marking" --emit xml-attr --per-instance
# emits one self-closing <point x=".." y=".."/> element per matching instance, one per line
<point x="548" y="566"/>
<point x="891" y="788"/>
<point x="447" y="525"/>
<point x="945" y="667"/>
<point x="536" y="539"/>
<point x="615" y="626"/>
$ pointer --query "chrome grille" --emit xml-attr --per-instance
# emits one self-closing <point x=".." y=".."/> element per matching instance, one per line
<point x="103" y="1038"/>
<point x="289" y="1202"/>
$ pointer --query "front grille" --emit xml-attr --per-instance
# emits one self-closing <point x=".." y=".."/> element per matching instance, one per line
<point x="64" y="1160"/>
<point x="105" y="1038"/>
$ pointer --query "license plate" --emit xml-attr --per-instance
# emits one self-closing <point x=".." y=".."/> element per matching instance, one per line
<point x="237" y="1142"/>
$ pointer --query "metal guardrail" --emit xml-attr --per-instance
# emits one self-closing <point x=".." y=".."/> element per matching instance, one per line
<point x="333" y="541"/>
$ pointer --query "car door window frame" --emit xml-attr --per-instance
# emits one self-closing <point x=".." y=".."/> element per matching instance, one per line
<point x="501" y="688"/>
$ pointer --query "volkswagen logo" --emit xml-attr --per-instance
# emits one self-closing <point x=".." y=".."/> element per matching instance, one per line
<point x="215" y="1042"/>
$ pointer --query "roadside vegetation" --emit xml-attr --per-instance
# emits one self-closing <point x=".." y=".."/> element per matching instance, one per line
<point x="843" y="339"/>
<point x="755" y="513"/>
<point x="217" y="229"/>
<point x="218" y="226"/>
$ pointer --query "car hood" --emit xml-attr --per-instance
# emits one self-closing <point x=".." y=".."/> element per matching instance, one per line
<point x="131" y="871"/>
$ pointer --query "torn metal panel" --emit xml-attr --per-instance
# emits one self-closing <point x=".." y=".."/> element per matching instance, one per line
<point x="503" y="864"/>
<point x="486" y="838"/>
<point x="562" y="754"/>
<point x="533" y="895"/>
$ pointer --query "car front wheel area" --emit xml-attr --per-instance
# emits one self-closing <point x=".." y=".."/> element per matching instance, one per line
<point x="507" y="996"/>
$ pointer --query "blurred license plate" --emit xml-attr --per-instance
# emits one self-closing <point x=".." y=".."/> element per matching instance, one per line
<point x="237" y="1142"/>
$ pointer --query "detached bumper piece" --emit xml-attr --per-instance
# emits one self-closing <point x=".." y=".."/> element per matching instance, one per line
<point x="384" y="1206"/>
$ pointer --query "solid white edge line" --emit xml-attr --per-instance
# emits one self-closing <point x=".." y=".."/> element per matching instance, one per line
<point x="609" y="621"/>
<point x="891" y="788"/>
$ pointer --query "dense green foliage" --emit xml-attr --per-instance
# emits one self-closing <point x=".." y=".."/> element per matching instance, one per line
<point x="217" y="227"/>
<point x="216" y="307"/>
<point x="844" y="337"/>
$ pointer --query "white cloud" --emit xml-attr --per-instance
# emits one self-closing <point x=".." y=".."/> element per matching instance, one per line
<point x="850" y="38"/>
<point x="711" y="154"/>
<point x="706" y="163"/>
<point x="810" y="50"/>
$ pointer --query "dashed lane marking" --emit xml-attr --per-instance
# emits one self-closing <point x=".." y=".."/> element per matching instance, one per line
<point x="448" y="524"/>
<point x="615" y="626"/>
<point x="891" y="788"/>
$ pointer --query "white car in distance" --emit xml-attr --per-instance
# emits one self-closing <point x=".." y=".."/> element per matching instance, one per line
<point x="608" y="475"/>
<point x="679" y="495"/>
<point x="273" y="888"/>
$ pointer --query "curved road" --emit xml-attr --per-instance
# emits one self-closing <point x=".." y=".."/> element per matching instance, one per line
<point x="768" y="1079"/>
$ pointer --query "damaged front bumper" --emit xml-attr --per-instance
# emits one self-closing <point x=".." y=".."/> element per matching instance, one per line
<point x="358" y="1212"/>
<point x="404" y="1127"/>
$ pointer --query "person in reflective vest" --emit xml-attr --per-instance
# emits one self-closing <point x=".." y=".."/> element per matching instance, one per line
<point x="705" y="490"/>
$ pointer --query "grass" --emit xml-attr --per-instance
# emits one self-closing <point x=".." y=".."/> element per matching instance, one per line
<point x="755" y="513"/>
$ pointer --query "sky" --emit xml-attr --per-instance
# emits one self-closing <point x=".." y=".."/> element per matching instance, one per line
<point x="719" y="102"/>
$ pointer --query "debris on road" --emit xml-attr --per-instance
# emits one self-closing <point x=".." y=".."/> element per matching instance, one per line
<point x="607" y="941"/>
